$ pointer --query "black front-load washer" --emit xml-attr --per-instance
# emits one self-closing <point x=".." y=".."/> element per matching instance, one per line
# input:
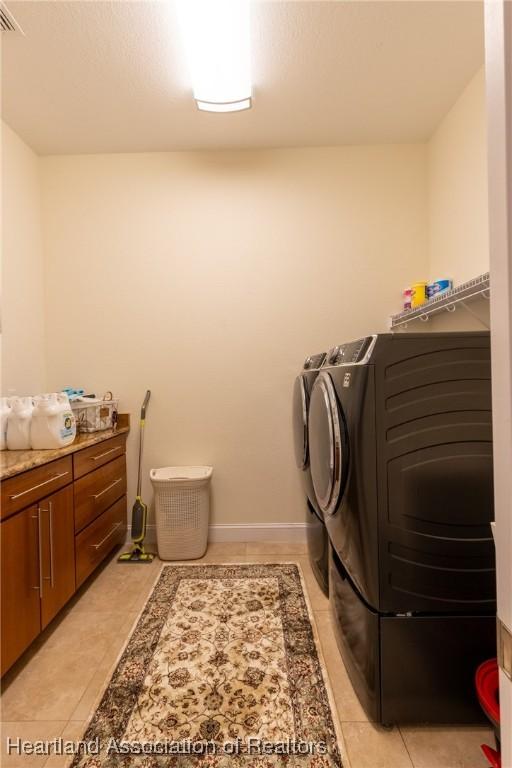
<point x="315" y="527"/>
<point x="400" y="449"/>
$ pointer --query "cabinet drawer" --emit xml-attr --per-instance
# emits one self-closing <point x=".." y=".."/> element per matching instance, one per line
<point x="94" y="543"/>
<point x="21" y="491"/>
<point x="91" y="458"/>
<point x="97" y="491"/>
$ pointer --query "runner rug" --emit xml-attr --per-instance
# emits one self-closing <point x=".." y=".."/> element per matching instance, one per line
<point x="221" y="670"/>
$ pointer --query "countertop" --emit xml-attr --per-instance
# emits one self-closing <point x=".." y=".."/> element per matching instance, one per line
<point x="15" y="462"/>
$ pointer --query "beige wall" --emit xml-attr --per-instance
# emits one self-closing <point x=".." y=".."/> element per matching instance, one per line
<point x="457" y="163"/>
<point x="209" y="277"/>
<point x="23" y="365"/>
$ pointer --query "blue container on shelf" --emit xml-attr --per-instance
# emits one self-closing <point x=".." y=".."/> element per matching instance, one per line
<point x="438" y="286"/>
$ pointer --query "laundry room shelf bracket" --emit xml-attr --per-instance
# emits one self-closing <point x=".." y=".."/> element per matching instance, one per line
<point x="447" y="301"/>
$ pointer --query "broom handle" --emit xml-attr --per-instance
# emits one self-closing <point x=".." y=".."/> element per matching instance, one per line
<point x="145" y="405"/>
<point x="141" y="439"/>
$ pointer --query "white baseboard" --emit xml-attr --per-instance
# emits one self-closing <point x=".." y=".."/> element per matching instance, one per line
<point x="245" y="532"/>
<point x="257" y="532"/>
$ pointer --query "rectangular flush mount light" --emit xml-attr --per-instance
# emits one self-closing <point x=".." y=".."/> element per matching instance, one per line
<point x="216" y="38"/>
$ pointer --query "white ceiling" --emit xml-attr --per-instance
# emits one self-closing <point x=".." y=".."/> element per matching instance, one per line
<point x="107" y="76"/>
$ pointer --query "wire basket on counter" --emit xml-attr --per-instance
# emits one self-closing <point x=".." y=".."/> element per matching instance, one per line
<point x="94" y="414"/>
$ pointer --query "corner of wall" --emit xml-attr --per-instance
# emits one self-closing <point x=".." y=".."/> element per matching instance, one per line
<point x="457" y="188"/>
<point x="23" y="317"/>
<point x="457" y="200"/>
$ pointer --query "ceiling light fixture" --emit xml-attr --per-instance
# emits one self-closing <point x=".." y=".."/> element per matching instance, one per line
<point x="216" y="37"/>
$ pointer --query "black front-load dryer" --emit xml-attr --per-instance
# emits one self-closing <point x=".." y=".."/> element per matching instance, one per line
<point x="400" y="449"/>
<point x="339" y="413"/>
<point x="315" y="527"/>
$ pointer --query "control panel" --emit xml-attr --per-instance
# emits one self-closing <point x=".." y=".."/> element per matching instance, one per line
<point x="314" y="361"/>
<point x="350" y="353"/>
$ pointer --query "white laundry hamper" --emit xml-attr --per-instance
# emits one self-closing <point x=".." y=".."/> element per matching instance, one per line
<point x="182" y="510"/>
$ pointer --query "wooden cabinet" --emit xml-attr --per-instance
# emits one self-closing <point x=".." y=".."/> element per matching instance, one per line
<point x="28" y="487"/>
<point x="20" y="585"/>
<point x="97" y="491"/>
<point x="91" y="458"/>
<point x="100" y="503"/>
<point x="38" y="570"/>
<point x="59" y="521"/>
<point x="57" y="552"/>
<point x="98" y="539"/>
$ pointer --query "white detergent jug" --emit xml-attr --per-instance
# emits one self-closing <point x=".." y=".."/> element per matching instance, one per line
<point x="53" y="423"/>
<point x="18" y="424"/>
<point x="68" y="426"/>
<point x="5" y="409"/>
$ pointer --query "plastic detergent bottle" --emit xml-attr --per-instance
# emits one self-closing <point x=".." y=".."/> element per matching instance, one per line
<point x="53" y="423"/>
<point x="18" y="424"/>
<point x="68" y="426"/>
<point x="5" y="409"/>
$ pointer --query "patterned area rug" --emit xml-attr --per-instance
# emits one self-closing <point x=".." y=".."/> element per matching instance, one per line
<point x="221" y="670"/>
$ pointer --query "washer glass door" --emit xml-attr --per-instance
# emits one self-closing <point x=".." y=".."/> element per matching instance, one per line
<point x="328" y="452"/>
<point x="300" y="422"/>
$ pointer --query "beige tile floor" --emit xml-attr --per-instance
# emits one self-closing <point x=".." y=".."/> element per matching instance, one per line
<point x="56" y="686"/>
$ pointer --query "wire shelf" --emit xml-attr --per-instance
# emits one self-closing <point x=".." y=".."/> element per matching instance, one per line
<point x="448" y="300"/>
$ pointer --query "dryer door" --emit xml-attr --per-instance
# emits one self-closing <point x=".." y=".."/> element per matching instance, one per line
<point x="328" y="444"/>
<point x="300" y="422"/>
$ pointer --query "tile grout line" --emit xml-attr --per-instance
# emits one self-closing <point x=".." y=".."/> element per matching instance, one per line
<point x="405" y="744"/>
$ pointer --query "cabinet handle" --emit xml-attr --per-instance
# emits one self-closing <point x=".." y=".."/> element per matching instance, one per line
<point x="40" y="551"/>
<point x="109" y="534"/>
<point x="39" y="485"/>
<point x="97" y="495"/>
<point x="106" y="453"/>
<point x="50" y="513"/>
<point x="40" y="585"/>
<point x="49" y="578"/>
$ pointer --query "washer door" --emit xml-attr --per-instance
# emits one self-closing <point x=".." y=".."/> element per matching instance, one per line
<point x="328" y="444"/>
<point x="300" y="422"/>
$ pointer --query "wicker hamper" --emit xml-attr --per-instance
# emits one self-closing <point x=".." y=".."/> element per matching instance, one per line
<point x="182" y="510"/>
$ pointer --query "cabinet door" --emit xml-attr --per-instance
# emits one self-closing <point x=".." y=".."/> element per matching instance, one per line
<point x="21" y="621"/>
<point x="57" y="552"/>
